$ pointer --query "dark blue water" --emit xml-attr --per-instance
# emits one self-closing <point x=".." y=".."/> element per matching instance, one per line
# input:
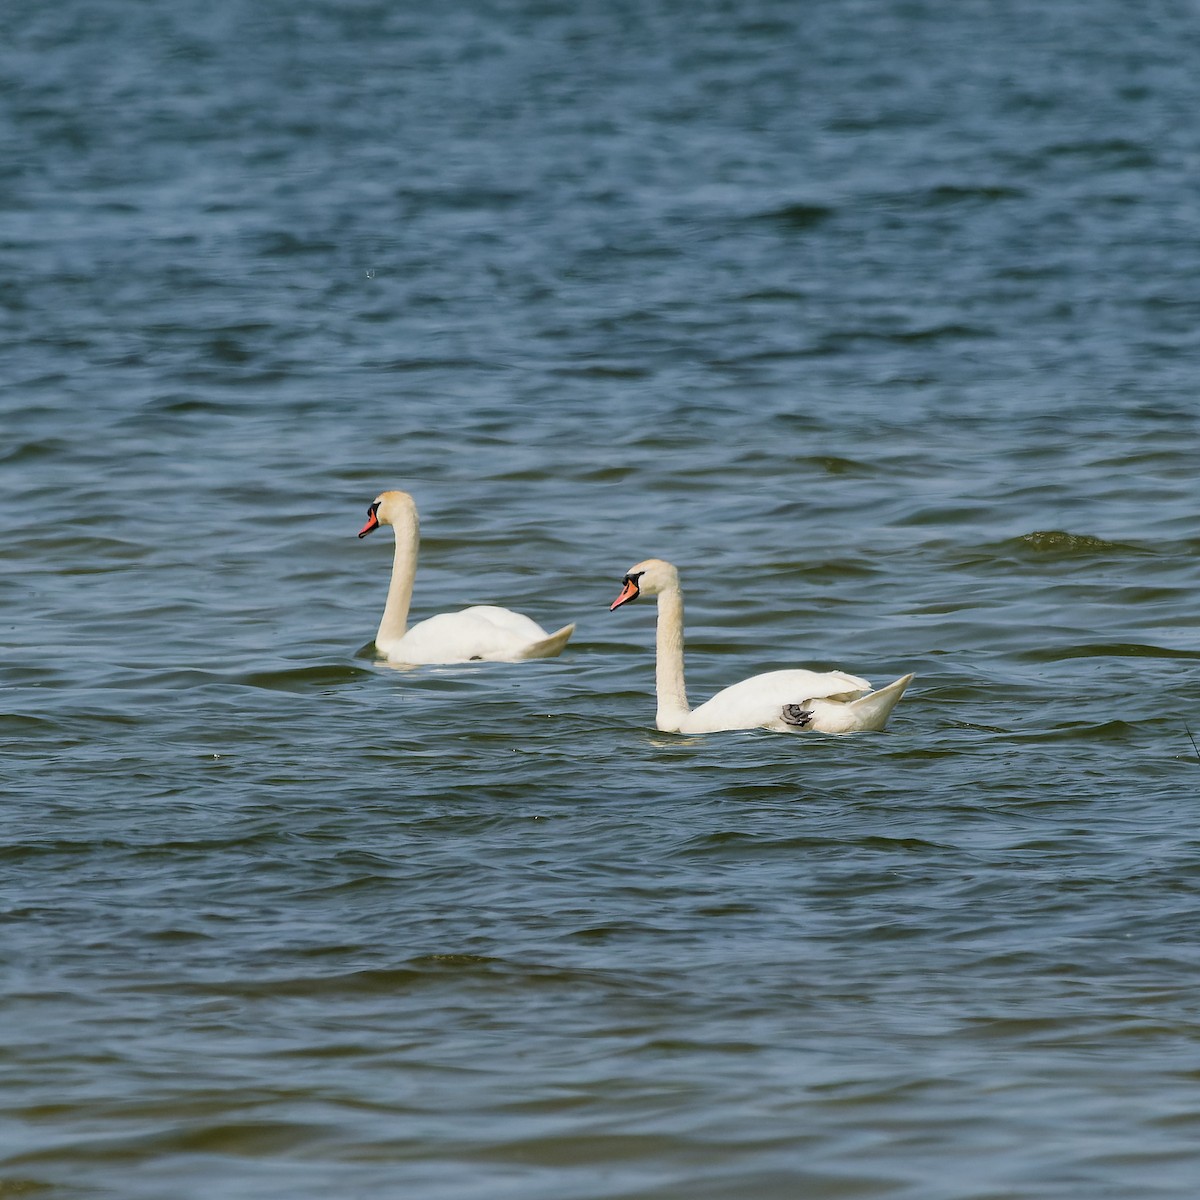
<point x="880" y="320"/>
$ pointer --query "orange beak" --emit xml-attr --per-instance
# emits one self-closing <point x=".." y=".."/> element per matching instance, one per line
<point x="372" y="522"/>
<point x="628" y="592"/>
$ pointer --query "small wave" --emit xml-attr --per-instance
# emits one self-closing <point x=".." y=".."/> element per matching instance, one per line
<point x="422" y="363"/>
<point x="303" y="679"/>
<point x="796" y="216"/>
<point x="910" y="845"/>
<point x="957" y="194"/>
<point x="1058" y="543"/>
<point x="935" y="333"/>
<point x="228" y="350"/>
<point x="947" y="195"/>
<point x="26" y="1187"/>
<point x="188" y="404"/>
<point x="464" y="199"/>
<point x="1117" y="153"/>
<point x="24" y="724"/>
<point x="249" y="1138"/>
<point x="603" y="371"/>
<point x="422" y="972"/>
<point x="281" y="243"/>
<point x="1106" y="650"/>
<point x="33" y="451"/>
<point x="772" y="296"/>
<point x="1088" y="732"/>
<point x="841" y="340"/>
<point x="833" y="464"/>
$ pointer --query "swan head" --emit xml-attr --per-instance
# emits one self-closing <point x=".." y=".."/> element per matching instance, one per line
<point x="388" y="508"/>
<point x="648" y="578"/>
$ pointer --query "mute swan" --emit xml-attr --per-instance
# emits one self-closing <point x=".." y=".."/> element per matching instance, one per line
<point x="784" y="701"/>
<point x="482" y="633"/>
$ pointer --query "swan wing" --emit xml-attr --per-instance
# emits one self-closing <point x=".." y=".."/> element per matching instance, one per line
<point x="505" y="618"/>
<point x="838" y="716"/>
<point x="758" y="702"/>
<point x="472" y="635"/>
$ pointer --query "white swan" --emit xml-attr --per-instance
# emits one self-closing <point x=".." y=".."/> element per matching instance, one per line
<point x="785" y="701"/>
<point x="483" y="633"/>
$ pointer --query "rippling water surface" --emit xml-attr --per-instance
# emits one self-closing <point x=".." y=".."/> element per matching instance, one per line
<point x="880" y="320"/>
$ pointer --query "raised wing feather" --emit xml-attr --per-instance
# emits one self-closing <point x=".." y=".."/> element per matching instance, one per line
<point x="759" y="700"/>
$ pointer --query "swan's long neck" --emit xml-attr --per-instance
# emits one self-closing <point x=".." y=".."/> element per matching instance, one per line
<point x="668" y="665"/>
<point x="404" y="569"/>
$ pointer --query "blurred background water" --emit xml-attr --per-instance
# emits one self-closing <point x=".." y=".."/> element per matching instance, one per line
<point x="879" y="319"/>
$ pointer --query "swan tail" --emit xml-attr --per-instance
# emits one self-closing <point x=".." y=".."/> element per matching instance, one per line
<point x="549" y="647"/>
<point x="872" y="711"/>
